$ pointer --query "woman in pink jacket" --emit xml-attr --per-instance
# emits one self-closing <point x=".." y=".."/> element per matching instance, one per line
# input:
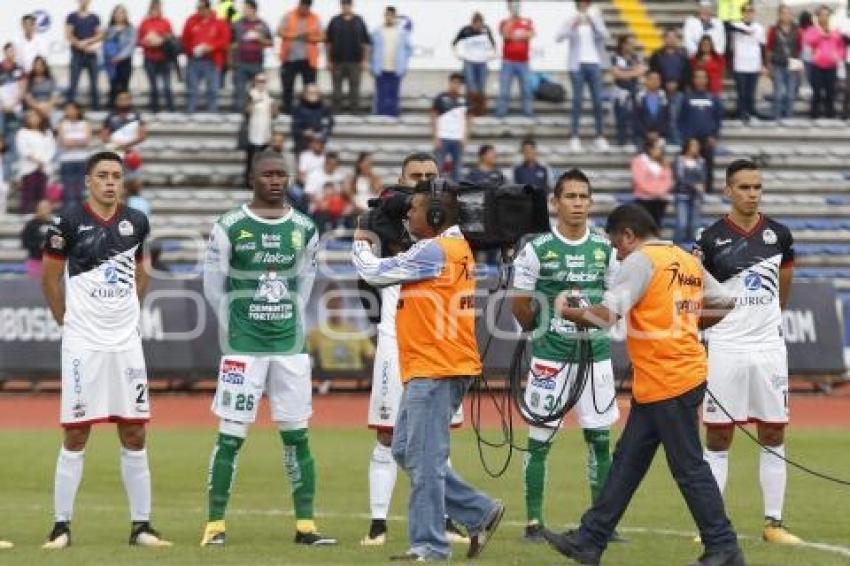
<point x="827" y="47"/>
<point x="652" y="178"/>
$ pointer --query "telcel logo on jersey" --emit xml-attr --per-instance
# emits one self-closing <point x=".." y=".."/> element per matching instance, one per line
<point x="233" y="372"/>
<point x="273" y="257"/>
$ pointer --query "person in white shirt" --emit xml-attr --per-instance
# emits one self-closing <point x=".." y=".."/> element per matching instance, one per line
<point x="311" y="159"/>
<point x="748" y="44"/>
<point x="31" y="45"/>
<point x="36" y="150"/>
<point x="329" y="173"/>
<point x="702" y="24"/>
<point x="260" y="111"/>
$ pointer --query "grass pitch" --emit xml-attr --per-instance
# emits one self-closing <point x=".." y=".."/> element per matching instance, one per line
<point x="260" y="525"/>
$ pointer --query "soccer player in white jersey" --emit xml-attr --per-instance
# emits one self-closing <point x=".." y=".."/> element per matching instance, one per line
<point x="387" y="388"/>
<point x="753" y="257"/>
<point x="96" y="249"/>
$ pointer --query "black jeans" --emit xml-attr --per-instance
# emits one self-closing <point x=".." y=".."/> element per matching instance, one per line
<point x="673" y="423"/>
<point x="121" y="81"/>
<point x="159" y="71"/>
<point x="745" y="89"/>
<point x="656" y="208"/>
<point x="80" y="61"/>
<point x="823" y="92"/>
<point x="347" y="72"/>
<point x="288" y="72"/>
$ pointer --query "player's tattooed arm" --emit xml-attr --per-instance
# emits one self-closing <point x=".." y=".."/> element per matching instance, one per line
<point x="51" y="284"/>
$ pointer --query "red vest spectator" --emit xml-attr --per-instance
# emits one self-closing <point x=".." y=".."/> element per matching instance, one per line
<point x="517" y="32"/>
<point x="209" y="30"/>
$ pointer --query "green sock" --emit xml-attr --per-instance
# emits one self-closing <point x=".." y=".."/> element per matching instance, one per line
<point x="598" y="459"/>
<point x="221" y="473"/>
<point x="301" y="471"/>
<point x="535" y="479"/>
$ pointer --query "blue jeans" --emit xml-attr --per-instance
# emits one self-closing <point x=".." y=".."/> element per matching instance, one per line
<point x="745" y="88"/>
<point x="243" y="78"/>
<point x="159" y="71"/>
<point x="387" y="88"/>
<point x="72" y="174"/>
<point x="202" y="70"/>
<point x="688" y="217"/>
<point x="522" y="72"/>
<point x="475" y="75"/>
<point x="784" y="91"/>
<point x="453" y="148"/>
<point x="674" y="136"/>
<point x="421" y="448"/>
<point x="591" y="75"/>
<point x="83" y="61"/>
<point x="624" y="116"/>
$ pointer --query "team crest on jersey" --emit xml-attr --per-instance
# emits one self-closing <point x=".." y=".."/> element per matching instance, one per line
<point x="752" y="281"/>
<point x="57" y="242"/>
<point x="233" y="372"/>
<point x="297" y="239"/>
<point x="769" y="236"/>
<point x="110" y="274"/>
<point x="270" y="288"/>
<point x="125" y="228"/>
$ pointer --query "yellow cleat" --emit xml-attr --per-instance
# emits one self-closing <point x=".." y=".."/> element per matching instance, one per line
<point x="6" y="545"/>
<point x="214" y="534"/>
<point x="774" y="531"/>
<point x="378" y="540"/>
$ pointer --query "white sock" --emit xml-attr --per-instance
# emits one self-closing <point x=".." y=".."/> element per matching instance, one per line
<point x="69" y="472"/>
<point x="719" y="464"/>
<point x="773" y="475"/>
<point x="382" y="476"/>
<point x="137" y="482"/>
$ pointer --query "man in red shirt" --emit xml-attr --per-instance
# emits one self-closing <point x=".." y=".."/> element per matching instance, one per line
<point x="206" y="40"/>
<point x="154" y="31"/>
<point x="517" y="33"/>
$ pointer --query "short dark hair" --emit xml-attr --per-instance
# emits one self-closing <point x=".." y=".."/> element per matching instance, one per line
<point x="670" y="29"/>
<point x="8" y="45"/>
<point x="573" y="174"/>
<point x="307" y="3"/>
<point x="457" y="77"/>
<point x="484" y="148"/>
<point x="251" y="3"/>
<point x="390" y="9"/>
<point x="621" y="41"/>
<point x="740" y="165"/>
<point x="102" y="156"/>
<point x="28" y="18"/>
<point x="633" y="217"/>
<point x="418" y="156"/>
<point x="528" y="142"/>
<point x="266" y="154"/>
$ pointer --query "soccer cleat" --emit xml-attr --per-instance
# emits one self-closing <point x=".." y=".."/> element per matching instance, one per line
<point x="142" y="534"/>
<point x="775" y="531"/>
<point x="454" y="534"/>
<point x="533" y="533"/>
<point x="730" y="557"/>
<point x="214" y="534"/>
<point x="478" y="541"/>
<point x="59" y="537"/>
<point x="6" y="545"/>
<point x="377" y="533"/>
<point x="570" y="546"/>
<point x="313" y="539"/>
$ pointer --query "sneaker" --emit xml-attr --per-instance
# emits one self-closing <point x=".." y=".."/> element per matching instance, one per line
<point x="775" y="531"/>
<point x="142" y="534"/>
<point x="59" y="537"/>
<point x="6" y="545"/>
<point x="478" y="541"/>
<point x="377" y="534"/>
<point x="569" y="545"/>
<point x="454" y="534"/>
<point x="313" y="539"/>
<point x="731" y="557"/>
<point x="601" y="144"/>
<point x="408" y="556"/>
<point x="214" y="534"/>
<point x="575" y="144"/>
<point x="533" y="533"/>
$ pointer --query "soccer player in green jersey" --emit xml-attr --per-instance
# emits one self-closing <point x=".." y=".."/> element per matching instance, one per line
<point x="259" y="270"/>
<point x="574" y="260"/>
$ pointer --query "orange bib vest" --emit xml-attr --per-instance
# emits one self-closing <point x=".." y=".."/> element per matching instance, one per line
<point x="313" y="30"/>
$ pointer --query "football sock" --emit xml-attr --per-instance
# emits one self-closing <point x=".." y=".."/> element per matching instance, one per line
<point x="137" y="482"/>
<point x="719" y="464"/>
<point x="598" y="459"/>
<point x="535" y="478"/>
<point x="301" y="471"/>
<point x="222" y="472"/>
<point x="69" y="472"/>
<point x="773" y="474"/>
<point x="382" y="477"/>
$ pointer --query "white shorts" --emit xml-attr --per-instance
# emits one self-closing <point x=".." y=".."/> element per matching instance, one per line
<point x="242" y="380"/>
<point x="545" y="392"/>
<point x="387" y="388"/>
<point x="751" y="386"/>
<point x="100" y="386"/>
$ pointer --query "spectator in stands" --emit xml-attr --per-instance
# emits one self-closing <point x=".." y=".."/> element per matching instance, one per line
<point x="783" y="61"/>
<point x="671" y="61"/>
<point x="703" y="24"/>
<point x="206" y="40"/>
<point x="123" y="128"/>
<point x="587" y="35"/>
<point x="531" y="171"/>
<point x="748" y="39"/>
<point x="227" y="12"/>
<point x="75" y="136"/>
<point x="13" y="82"/>
<point x="689" y="174"/>
<point x="42" y="93"/>
<point x="804" y="22"/>
<point x="348" y="43"/>
<point x="652" y="179"/>
<point x="260" y="112"/>
<point x="712" y="62"/>
<point x="331" y="209"/>
<point x="311" y="158"/>
<point x="701" y="119"/>
<point x="119" y="43"/>
<point x="363" y="184"/>
<point x="517" y="33"/>
<point x="83" y="33"/>
<point x="36" y="150"/>
<point x="33" y="237"/>
<point x="391" y="52"/>
<point x="4" y="185"/>
<point x="31" y="45"/>
<point x="475" y="46"/>
<point x="300" y="32"/>
<point x="450" y="125"/>
<point x="486" y="171"/>
<point x="317" y="179"/>
<point x="252" y="35"/>
<point x="627" y="68"/>
<point x="156" y="37"/>
<point x="652" y="110"/>
<point x="135" y="200"/>
<point x="311" y="114"/>
<point x="828" y="48"/>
